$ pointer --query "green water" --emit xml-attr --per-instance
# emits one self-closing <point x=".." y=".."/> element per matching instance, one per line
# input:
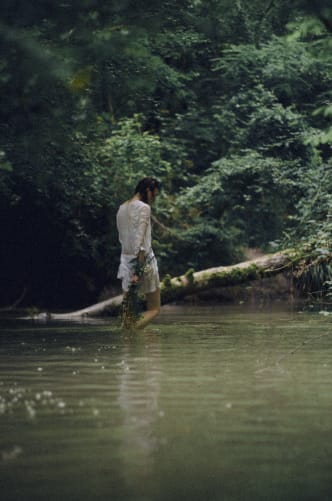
<point x="208" y="404"/>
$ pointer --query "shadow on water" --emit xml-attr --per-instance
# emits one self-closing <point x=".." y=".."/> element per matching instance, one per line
<point x="206" y="404"/>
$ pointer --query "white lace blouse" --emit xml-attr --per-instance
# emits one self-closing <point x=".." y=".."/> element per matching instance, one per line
<point x="134" y="227"/>
<point x="133" y="221"/>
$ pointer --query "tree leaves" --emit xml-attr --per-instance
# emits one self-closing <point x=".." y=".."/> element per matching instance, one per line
<point x="228" y="103"/>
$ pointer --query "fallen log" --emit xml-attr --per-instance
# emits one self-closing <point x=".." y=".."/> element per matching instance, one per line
<point x="191" y="282"/>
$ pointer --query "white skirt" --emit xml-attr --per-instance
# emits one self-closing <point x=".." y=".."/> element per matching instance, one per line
<point x="149" y="282"/>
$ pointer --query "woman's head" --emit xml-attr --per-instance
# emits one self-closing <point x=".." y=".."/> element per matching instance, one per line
<point x="147" y="188"/>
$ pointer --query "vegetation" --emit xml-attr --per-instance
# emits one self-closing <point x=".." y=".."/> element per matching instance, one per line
<point x="227" y="103"/>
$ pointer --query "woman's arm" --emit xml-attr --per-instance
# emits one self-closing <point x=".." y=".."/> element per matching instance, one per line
<point x="143" y="221"/>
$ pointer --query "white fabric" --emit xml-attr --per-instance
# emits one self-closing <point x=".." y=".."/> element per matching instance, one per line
<point x="150" y="279"/>
<point x="134" y="227"/>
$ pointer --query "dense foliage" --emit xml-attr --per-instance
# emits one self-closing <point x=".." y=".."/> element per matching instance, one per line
<point x="227" y="103"/>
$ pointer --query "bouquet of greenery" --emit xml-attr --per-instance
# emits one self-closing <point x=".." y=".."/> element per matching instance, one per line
<point x="131" y="304"/>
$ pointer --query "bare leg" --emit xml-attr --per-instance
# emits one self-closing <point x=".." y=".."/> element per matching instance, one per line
<point x="153" y="304"/>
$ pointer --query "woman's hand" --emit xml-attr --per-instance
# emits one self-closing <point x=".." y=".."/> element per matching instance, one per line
<point x="135" y="279"/>
<point x="141" y="261"/>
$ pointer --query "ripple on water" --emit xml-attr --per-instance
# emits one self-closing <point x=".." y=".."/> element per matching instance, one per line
<point x="216" y="406"/>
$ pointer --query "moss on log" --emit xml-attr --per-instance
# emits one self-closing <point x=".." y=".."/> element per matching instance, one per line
<point x="175" y="288"/>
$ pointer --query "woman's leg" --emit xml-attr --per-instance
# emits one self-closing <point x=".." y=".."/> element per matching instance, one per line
<point x="153" y="304"/>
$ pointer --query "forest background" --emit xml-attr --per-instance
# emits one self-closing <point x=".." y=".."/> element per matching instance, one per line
<point x="227" y="103"/>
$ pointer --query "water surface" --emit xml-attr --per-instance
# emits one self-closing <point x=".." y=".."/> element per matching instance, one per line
<point x="207" y="404"/>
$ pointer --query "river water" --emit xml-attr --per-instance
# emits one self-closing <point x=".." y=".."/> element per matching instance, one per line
<point x="206" y="404"/>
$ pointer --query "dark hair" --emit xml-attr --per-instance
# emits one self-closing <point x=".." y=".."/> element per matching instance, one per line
<point x="145" y="184"/>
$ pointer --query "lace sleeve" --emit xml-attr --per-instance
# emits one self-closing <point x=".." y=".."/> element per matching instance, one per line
<point x="143" y="221"/>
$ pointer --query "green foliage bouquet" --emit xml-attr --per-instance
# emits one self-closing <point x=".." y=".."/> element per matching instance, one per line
<point x="132" y="302"/>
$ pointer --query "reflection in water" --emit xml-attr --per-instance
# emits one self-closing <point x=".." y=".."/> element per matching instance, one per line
<point x="139" y="389"/>
<point x="215" y="404"/>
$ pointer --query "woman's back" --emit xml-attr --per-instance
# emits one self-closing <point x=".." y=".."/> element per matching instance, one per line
<point x="134" y="227"/>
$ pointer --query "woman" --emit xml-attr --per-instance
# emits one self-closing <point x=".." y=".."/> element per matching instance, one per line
<point x="138" y="264"/>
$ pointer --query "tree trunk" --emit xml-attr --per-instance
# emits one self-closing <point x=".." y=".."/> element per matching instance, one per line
<point x="191" y="282"/>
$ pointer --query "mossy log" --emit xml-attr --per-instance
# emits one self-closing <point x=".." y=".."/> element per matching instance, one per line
<point x="175" y="288"/>
<point x="194" y="282"/>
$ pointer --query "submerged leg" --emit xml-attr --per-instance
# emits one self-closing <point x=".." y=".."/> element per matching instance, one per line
<point x="153" y="308"/>
<point x="129" y="310"/>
